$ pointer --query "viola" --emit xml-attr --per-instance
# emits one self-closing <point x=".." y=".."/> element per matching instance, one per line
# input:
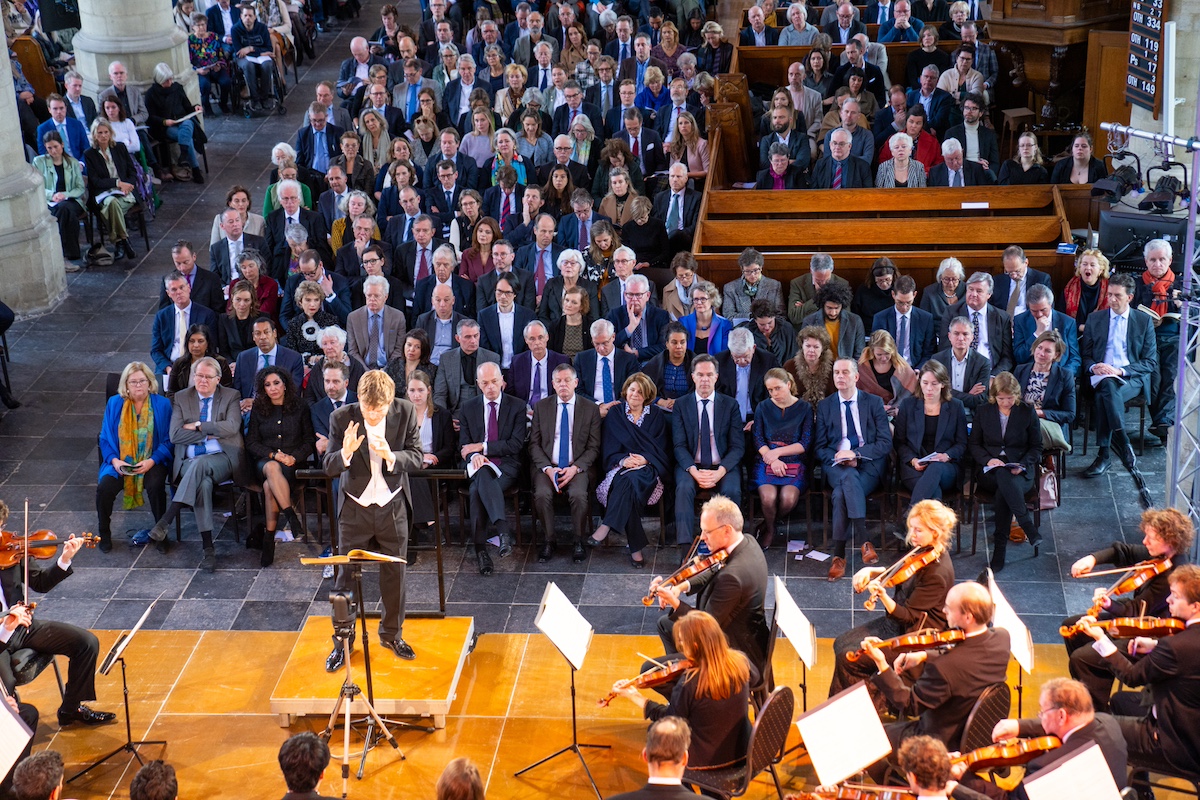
<point x="1131" y="580"/>
<point x="1129" y="627"/>
<point x="911" y="642"/>
<point x="1008" y="753"/>
<point x="697" y="566"/>
<point x="858" y="791"/>
<point x="651" y="678"/>
<point x="41" y="544"/>
<point x="904" y="569"/>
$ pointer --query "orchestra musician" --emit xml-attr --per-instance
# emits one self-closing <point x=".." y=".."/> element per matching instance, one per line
<point x="1064" y="710"/>
<point x="1166" y="534"/>
<point x="666" y="756"/>
<point x="918" y="601"/>
<point x="713" y="695"/>
<point x="926" y="766"/>
<point x="733" y="595"/>
<point x="1161" y="725"/>
<point x="938" y="702"/>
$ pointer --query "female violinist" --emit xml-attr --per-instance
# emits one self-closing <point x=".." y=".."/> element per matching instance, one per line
<point x="1166" y="534"/>
<point x="919" y="601"/>
<point x="713" y="695"/>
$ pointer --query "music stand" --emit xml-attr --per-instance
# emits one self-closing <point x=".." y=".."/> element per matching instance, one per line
<point x="114" y="656"/>
<point x="571" y="635"/>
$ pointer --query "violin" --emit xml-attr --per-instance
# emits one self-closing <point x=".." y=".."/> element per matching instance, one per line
<point x="918" y="559"/>
<point x="911" y="642"/>
<point x="1131" y="580"/>
<point x="1008" y="753"/>
<point x="697" y="566"/>
<point x="41" y="545"/>
<point x="1129" y="627"/>
<point x="857" y="791"/>
<point x="651" y="678"/>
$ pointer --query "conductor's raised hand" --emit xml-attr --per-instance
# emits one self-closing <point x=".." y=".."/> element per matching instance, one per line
<point x="351" y="440"/>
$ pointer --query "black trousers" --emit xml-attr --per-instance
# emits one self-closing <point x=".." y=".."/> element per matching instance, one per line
<point x="383" y="529"/>
<point x="486" y="495"/>
<point x="1162" y="383"/>
<point x="1009" y="491"/>
<point x="68" y="213"/>
<point x="1110" y="398"/>
<point x="627" y="496"/>
<point x="1089" y="667"/>
<point x="579" y="498"/>
<point x="1139" y="728"/>
<point x="81" y="647"/>
<point x="110" y="487"/>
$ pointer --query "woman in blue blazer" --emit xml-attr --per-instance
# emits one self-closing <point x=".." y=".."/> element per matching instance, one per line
<point x="1050" y="389"/>
<point x="707" y="330"/>
<point x="931" y="424"/>
<point x="135" y="433"/>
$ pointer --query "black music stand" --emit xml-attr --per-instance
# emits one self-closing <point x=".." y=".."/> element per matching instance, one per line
<point x="114" y="656"/>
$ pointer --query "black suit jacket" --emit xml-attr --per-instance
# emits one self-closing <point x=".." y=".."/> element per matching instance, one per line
<point x="320" y="411"/>
<point x="281" y="254"/>
<point x="492" y="197"/>
<point x="562" y="118"/>
<point x="989" y="148"/>
<point x="304" y="144"/>
<point x="464" y="295"/>
<point x="652" y="153"/>
<point x="511" y="417"/>
<point x="727" y="429"/>
<point x="922" y="332"/>
<point x="485" y="290"/>
<point x="831" y="30"/>
<point x="525" y="259"/>
<point x="1140" y="346"/>
<point x="760" y="362"/>
<point x="1003" y="286"/>
<point x="12" y="582"/>
<point x="1021" y="440"/>
<point x="468" y="172"/>
<point x="489" y="328"/>
<point x="662" y="123"/>
<point x="207" y="290"/>
<point x="403" y="433"/>
<point x="623" y="365"/>
<point x="656" y="791"/>
<point x="876" y="433"/>
<point x="951" y="436"/>
<point x="691" y="208"/>
<point x="746" y="38"/>
<point x="793" y="178"/>
<point x="875" y="82"/>
<point x="218" y="255"/>
<point x="89" y="110"/>
<point x="856" y="175"/>
<point x="978" y="371"/>
<point x="973" y="175"/>
<point x="999" y="328"/>
<point x="656" y="326"/>
<point x="452" y="94"/>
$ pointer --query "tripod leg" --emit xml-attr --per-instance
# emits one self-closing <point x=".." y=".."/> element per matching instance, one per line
<point x="383" y="728"/>
<point x="327" y="734"/>
<point x="591" y="780"/>
<point x="346" y="740"/>
<point x="368" y="741"/>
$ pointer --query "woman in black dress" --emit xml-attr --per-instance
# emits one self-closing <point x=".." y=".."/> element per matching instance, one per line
<point x="931" y="436"/>
<point x="280" y="439"/>
<point x="876" y="294"/>
<point x="199" y="343"/>
<point x="415" y="358"/>
<point x="235" y="330"/>
<point x="437" y="443"/>
<point x="1026" y="168"/>
<point x="1082" y="167"/>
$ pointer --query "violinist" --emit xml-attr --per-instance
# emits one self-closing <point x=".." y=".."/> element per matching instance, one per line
<point x="1166" y="534"/>
<point x="19" y="630"/>
<point x="926" y="766"/>
<point x="733" y="595"/>
<point x="713" y="695"/>
<point x="1065" y="711"/>
<point x="918" y="601"/>
<point x="666" y="757"/>
<point x="1161" y="725"/>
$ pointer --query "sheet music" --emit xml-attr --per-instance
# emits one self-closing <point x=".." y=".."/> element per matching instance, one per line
<point x="844" y="735"/>
<point x="14" y="735"/>
<point x="1083" y="773"/>
<point x="1020" y="640"/>
<point x="563" y="625"/>
<point x="795" y="626"/>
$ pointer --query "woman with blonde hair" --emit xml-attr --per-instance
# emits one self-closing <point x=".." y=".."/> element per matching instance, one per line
<point x="884" y="373"/>
<point x="1087" y="291"/>
<point x="1025" y="167"/>
<point x="479" y="144"/>
<point x="668" y="50"/>
<point x="376" y="141"/>
<point x="511" y="97"/>
<point x="783" y="425"/>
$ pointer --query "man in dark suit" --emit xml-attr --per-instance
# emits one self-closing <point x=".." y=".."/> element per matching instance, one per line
<point x="564" y="116"/>
<point x="564" y="446"/>
<point x="288" y="213"/>
<point x="733" y="595"/>
<point x="874" y="80"/>
<point x="634" y="68"/>
<point x="612" y="296"/>
<point x="603" y="369"/>
<point x="706" y="433"/>
<point x="168" y="336"/>
<point x="845" y="27"/>
<point x="204" y="286"/>
<point x="376" y="443"/>
<point x="319" y="142"/>
<point x="639" y="324"/>
<point x="645" y="144"/>
<point x="531" y="371"/>
<point x="1039" y="302"/>
<point x="267" y="352"/>
<point x="614" y="118"/>
<point x="540" y="257"/>
<point x="441" y="198"/>
<point x="335" y="394"/>
<point x="956" y="171"/>
<point x="224" y="253"/>
<point x="838" y="169"/>
<point x="853" y="441"/>
<point x="664" y="122"/>
<point x="353" y="71"/>
<point x="970" y="371"/>
<point x="574" y="230"/>
<point x="940" y="700"/>
<point x="666" y="756"/>
<point x="991" y="328"/>
<point x="372" y="264"/>
<point x="457" y="91"/>
<point x="989" y="149"/>
<point x="485" y="287"/>
<point x="455" y="382"/>
<point x="500" y="202"/>
<point x="336" y="288"/>
<point x="491" y="434"/>
<point x="330" y="200"/>
<point x="562" y="158"/>
<point x="758" y="34"/>
<point x="1018" y="277"/>
<point x="414" y="259"/>
<point x="621" y="46"/>
<point x="1065" y="711"/>
<point x="468" y="174"/>
<point x="222" y="16"/>
<point x="443" y="273"/>
<point x="603" y="93"/>
<point x="495" y="321"/>
<point x="941" y="110"/>
<point x="741" y="370"/>
<point x="79" y="105"/>
<point x="1119" y="357"/>
<point x="678" y="208"/>
<point x="913" y="329"/>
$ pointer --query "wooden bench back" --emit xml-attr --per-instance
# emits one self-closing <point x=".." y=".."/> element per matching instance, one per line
<point x="33" y="64"/>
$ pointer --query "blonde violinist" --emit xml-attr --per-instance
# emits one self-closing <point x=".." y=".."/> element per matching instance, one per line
<point x="712" y="692"/>
<point x="733" y="591"/>
<point x="1141" y="571"/>
<point x="919" y="599"/>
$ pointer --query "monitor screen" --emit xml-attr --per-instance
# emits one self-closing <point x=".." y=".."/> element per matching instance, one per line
<point x="1123" y="234"/>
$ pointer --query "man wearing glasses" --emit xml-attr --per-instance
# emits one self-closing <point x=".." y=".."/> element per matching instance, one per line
<point x="206" y="429"/>
<point x="640" y="325"/>
<point x="612" y="296"/>
<point x="568" y="112"/>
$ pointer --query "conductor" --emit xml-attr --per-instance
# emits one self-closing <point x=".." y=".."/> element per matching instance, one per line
<point x="376" y="504"/>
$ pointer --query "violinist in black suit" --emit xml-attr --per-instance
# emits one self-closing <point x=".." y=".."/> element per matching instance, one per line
<point x="666" y="757"/>
<point x="931" y="426"/>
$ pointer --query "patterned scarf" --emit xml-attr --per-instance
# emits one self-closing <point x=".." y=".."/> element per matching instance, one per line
<point x="135" y="437"/>
<point x="1160" y="289"/>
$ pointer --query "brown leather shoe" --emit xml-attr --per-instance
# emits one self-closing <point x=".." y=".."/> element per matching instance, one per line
<point x="869" y="556"/>
<point x="837" y="568"/>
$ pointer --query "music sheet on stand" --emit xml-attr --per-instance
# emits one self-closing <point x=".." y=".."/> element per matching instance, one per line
<point x="14" y="735"/>
<point x="795" y="626"/>
<point x="1020" y="640"/>
<point x="563" y="625"/>
<point x="843" y="735"/>
<point x="1082" y="774"/>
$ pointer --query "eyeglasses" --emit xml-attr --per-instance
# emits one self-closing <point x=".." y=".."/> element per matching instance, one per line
<point x="372" y="260"/>
<point x="635" y="295"/>
<point x="138" y="382"/>
<point x="1043" y="712"/>
<point x="200" y="376"/>
<point x="711" y="531"/>
<point x="505" y="292"/>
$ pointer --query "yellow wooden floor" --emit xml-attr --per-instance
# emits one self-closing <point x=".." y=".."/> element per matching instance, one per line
<point x="208" y="694"/>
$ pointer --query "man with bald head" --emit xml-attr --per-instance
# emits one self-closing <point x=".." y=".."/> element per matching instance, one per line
<point x="354" y="70"/>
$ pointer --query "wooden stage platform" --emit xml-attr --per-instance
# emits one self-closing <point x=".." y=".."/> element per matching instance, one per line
<point x="210" y="695"/>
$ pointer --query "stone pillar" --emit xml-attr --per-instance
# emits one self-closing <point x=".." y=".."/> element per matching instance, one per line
<point x="32" y="278"/>
<point x="139" y="34"/>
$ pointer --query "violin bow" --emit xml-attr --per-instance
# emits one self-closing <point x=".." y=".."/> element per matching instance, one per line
<point x="25" y="554"/>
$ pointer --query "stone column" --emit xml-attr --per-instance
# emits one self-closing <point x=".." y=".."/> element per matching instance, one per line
<point x="139" y="34"/>
<point x="32" y="278"/>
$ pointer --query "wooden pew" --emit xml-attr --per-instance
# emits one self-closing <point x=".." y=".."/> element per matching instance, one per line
<point x="33" y="64"/>
<point x="769" y="65"/>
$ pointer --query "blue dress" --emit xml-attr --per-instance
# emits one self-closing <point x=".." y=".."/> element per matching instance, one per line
<point x="777" y="427"/>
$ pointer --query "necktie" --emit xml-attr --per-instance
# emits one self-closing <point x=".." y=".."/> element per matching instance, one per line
<point x="607" y="379"/>
<point x="624" y="51"/>
<point x="975" y="330"/>
<point x="408" y="230"/>
<point x="635" y="148"/>
<point x="204" y="405"/>
<point x="191" y="279"/>
<point x="450" y="200"/>
<point x="337" y="404"/>
<point x="320" y="154"/>
<point x="423" y="264"/>
<point x="540" y="276"/>
<point x="605" y="98"/>
<point x="412" y="101"/>
<point x="883" y="13"/>
<point x="904" y="338"/>
<point x="535" y="389"/>
<point x="851" y="431"/>
<point x="202" y="447"/>
<point x="180" y="333"/>
<point x="837" y="175"/>
<point x="373" y="336"/>
<point x="493" y="427"/>
<point x="1015" y="297"/>
<point x="564" y="438"/>
<point x="583" y="235"/>
<point x="506" y="199"/>
<point x="574" y="113"/>
<point x="62" y="132"/>
<point x="266" y="360"/>
<point x="235" y="252"/>
<point x="291" y="221"/>
<point x="673" y="214"/>
<point x="337" y="205"/>
<point x="638" y="339"/>
<point x="542" y="81"/>
<point x="956" y="179"/>
<point x="1119" y="353"/>
<point x="706" y="453"/>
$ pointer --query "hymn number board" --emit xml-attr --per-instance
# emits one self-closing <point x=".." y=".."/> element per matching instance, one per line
<point x="1142" y="80"/>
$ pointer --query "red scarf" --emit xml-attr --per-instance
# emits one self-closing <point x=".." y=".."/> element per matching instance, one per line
<point x="1074" y="290"/>
<point x="1160" y="289"/>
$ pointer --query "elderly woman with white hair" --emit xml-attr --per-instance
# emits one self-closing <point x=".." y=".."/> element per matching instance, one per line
<point x="168" y="104"/>
<point x="949" y="288"/>
<point x="900" y="171"/>
<point x="798" y="33"/>
<point x="332" y="341"/>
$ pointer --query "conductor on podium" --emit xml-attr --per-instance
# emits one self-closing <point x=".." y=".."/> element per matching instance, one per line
<point x="380" y="442"/>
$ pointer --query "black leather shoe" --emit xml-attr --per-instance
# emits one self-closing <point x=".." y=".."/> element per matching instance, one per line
<point x="484" y="561"/>
<point x="267" y="558"/>
<point x="1098" y="467"/>
<point x="1144" y="499"/>
<point x="163" y="545"/>
<point x="578" y="554"/>
<point x="506" y="545"/>
<point x="128" y="250"/>
<point x="209" y="562"/>
<point x="337" y="656"/>
<point x="85" y="715"/>
<point x="105" y="544"/>
<point x="546" y="552"/>
<point x="400" y="648"/>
